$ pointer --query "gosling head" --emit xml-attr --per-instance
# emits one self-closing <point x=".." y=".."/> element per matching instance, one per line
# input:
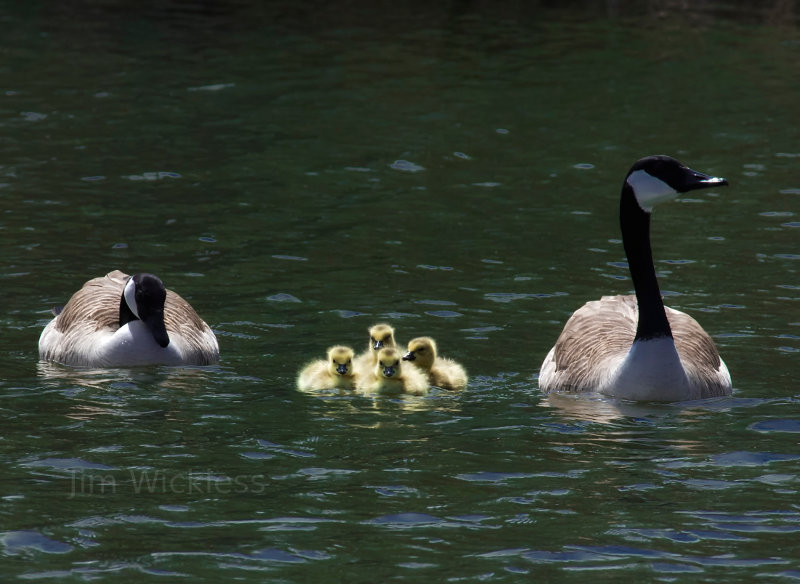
<point x="389" y="363"/>
<point x="421" y="352"/>
<point x="340" y="359"/>
<point x="656" y="179"/>
<point x="380" y="336"/>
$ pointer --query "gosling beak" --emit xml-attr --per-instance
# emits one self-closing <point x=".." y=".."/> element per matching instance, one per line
<point x="341" y="369"/>
<point x="410" y="356"/>
<point x="388" y="371"/>
<point x="378" y="345"/>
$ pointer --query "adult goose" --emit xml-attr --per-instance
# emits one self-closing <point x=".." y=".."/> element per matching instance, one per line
<point x="119" y="321"/>
<point x="633" y="347"/>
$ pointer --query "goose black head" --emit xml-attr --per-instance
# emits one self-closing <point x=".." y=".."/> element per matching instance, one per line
<point x="143" y="299"/>
<point x="656" y="179"/>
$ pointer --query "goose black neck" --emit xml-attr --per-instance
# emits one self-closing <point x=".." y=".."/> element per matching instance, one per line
<point x="635" y="227"/>
<point x="125" y="313"/>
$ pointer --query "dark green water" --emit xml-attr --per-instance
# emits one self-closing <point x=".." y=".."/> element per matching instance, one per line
<point x="299" y="174"/>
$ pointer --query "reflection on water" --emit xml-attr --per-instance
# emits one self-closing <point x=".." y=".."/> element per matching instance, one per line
<point x="168" y="378"/>
<point x="106" y="392"/>
<point x="340" y="404"/>
<point x="597" y="408"/>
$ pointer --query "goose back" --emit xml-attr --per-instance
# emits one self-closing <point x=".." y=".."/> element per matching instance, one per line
<point x="598" y="336"/>
<point x="91" y="317"/>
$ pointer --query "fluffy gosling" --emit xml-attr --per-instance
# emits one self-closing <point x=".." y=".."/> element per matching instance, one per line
<point x="442" y="372"/>
<point x="391" y="375"/>
<point x="380" y="336"/>
<point x="334" y="372"/>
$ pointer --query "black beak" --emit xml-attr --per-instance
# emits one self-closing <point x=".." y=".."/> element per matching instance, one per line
<point x="388" y="371"/>
<point x="697" y="180"/>
<point x="155" y="323"/>
<point x="378" y="345"/>
<point x="341" y="369"/>
<point x="410" y="356"/>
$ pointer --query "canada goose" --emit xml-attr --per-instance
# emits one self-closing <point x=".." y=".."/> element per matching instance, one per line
<point x="119" y="320"/>
<point x="380" y="336"/>
<point x="633" y="347"/>
<point x="391" y="375"/>
<point x="334" y="372"/>
<point x="441" y="372"/>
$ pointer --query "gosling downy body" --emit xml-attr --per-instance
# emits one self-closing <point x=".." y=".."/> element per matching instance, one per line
<point x="336" y="371"/>
<point x="442" y="372"/>
<point x="380" y="336"/>
<point x="391" y="376"/>
<point x="121" y="321"/>
<point x="633" y="347"/>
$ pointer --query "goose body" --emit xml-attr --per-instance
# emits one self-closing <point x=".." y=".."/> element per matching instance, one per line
<point x="633" y="347"/>
<point x="119" y="321"/>
<point x="336" y="371"/>
<point x="441" y="372"/>
<point x="391" y="376"/>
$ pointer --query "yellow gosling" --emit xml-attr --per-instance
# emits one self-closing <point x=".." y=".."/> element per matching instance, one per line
<point x="380" y="336"/>
<point x="334" y="372"/>
<point x="442" y="372"/>
<point x="390" y="375"/>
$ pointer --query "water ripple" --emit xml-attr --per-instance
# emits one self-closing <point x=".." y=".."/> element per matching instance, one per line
<point x="18" y="542"/>
<point x="412" y="520"/>
<point x="776" y="425"/>
<point x="67" y="464"/>
<point x="743" y="458"/>
<point x="493" y="477"/>
<point x="406" y="166"/>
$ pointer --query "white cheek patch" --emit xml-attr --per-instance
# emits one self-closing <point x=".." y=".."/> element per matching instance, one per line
<point x="130" y="297"/>
<point x="649" y="190"/>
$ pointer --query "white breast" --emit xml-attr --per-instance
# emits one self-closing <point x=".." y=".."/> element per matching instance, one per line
<point x="651" y="371"/>
<point x="133" y="344"/>
<point x="130" y="345"/>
